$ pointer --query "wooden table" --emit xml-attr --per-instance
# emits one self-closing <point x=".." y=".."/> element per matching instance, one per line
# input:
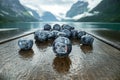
<point x="99" y="62"/>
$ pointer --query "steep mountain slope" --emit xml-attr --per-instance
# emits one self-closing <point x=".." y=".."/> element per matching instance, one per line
<point x="78" y="8"/>
<point x="12" y="10"/>
<point x="109" y="11"/>
<point x="33" y="12"/>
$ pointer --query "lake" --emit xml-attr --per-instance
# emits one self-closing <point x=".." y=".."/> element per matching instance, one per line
<point x="108" y="31"/>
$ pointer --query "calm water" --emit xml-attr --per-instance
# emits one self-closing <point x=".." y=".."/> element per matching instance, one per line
<point x="109" y="31"/>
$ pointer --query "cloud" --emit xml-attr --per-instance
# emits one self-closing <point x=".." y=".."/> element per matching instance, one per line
<point x="57" y="7"/>
<point x="93" y="3"/>
<point x="59" y="2"/>
<point x="85" y="15"/>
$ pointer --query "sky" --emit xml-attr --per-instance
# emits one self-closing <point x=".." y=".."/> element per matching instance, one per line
<point x="57" y="7"/>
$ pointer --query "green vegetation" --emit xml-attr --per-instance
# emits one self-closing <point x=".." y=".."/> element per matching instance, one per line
<point x="109" y="12"/>
<point x="13" y="11"/>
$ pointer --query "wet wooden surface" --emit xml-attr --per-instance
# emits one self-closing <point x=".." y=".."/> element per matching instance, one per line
<point x="99" y="62"/>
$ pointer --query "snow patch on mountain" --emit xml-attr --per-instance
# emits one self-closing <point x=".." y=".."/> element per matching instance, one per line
<point x="85" y="14"/>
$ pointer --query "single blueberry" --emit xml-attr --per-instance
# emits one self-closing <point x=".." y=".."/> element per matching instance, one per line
<point x="57" y="27"/>
<point x="87" y="40"/>
<point x="47" y="27"/>
<point x="25" y="44"/>
<point x="62" y="46"/>
<point x="41" y="35"/>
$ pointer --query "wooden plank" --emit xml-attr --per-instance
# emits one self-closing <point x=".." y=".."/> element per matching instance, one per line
<point x="100" y="62"/>
<point x="16" y="37"/>
<point x="117" y="46"/>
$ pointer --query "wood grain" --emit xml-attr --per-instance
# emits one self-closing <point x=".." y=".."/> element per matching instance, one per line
<point x="99" y="62"/>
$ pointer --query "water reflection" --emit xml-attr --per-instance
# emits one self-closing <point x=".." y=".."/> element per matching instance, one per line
<point x="43" y="45"/>
<point x="26" y="54"/>
<point x="86" y="48"/>
<point x="61" y="65"/>
<point x="75" y="41"/>
<point x="19" y="28"/>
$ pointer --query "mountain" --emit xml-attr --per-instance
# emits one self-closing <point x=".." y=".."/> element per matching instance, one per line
<point x="42" y="16"/>
<point x="34" y="13"/>
<point x="48" y="16"/>
<point x="109" y="11"/>
<point x="12" y="10"/>
<point x="78" y="8"/>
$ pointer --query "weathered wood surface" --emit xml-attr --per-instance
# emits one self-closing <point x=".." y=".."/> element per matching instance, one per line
<point x="100" y="62"/>
<point x="117" y="46"/>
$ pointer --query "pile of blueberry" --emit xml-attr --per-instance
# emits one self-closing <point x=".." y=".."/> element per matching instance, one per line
<point x="61" y="35"/>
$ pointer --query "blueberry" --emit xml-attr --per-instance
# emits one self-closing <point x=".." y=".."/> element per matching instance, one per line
<point x="54" y="33"/>
<point x="41" y="36"/>
<point x="62" y="46"/>
<point x="68" y="27"/>
<point x="67" y="32"/>
<point x="47" y="27"/>
<point x="74" y="33"/>
<point x="80" y="34"/>
<point x="87" y="40"/>
<point x="25" y="44"/>
<point x="57" y="27"/>
<point x="62" y="34"/>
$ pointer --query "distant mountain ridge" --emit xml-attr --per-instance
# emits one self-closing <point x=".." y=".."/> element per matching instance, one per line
<point x="12" y="10"/>
<point x="109" y="11"/>
<point x="48" y="16"/>
<point x="45" y="16"/>
<point x="78" y="8"/>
